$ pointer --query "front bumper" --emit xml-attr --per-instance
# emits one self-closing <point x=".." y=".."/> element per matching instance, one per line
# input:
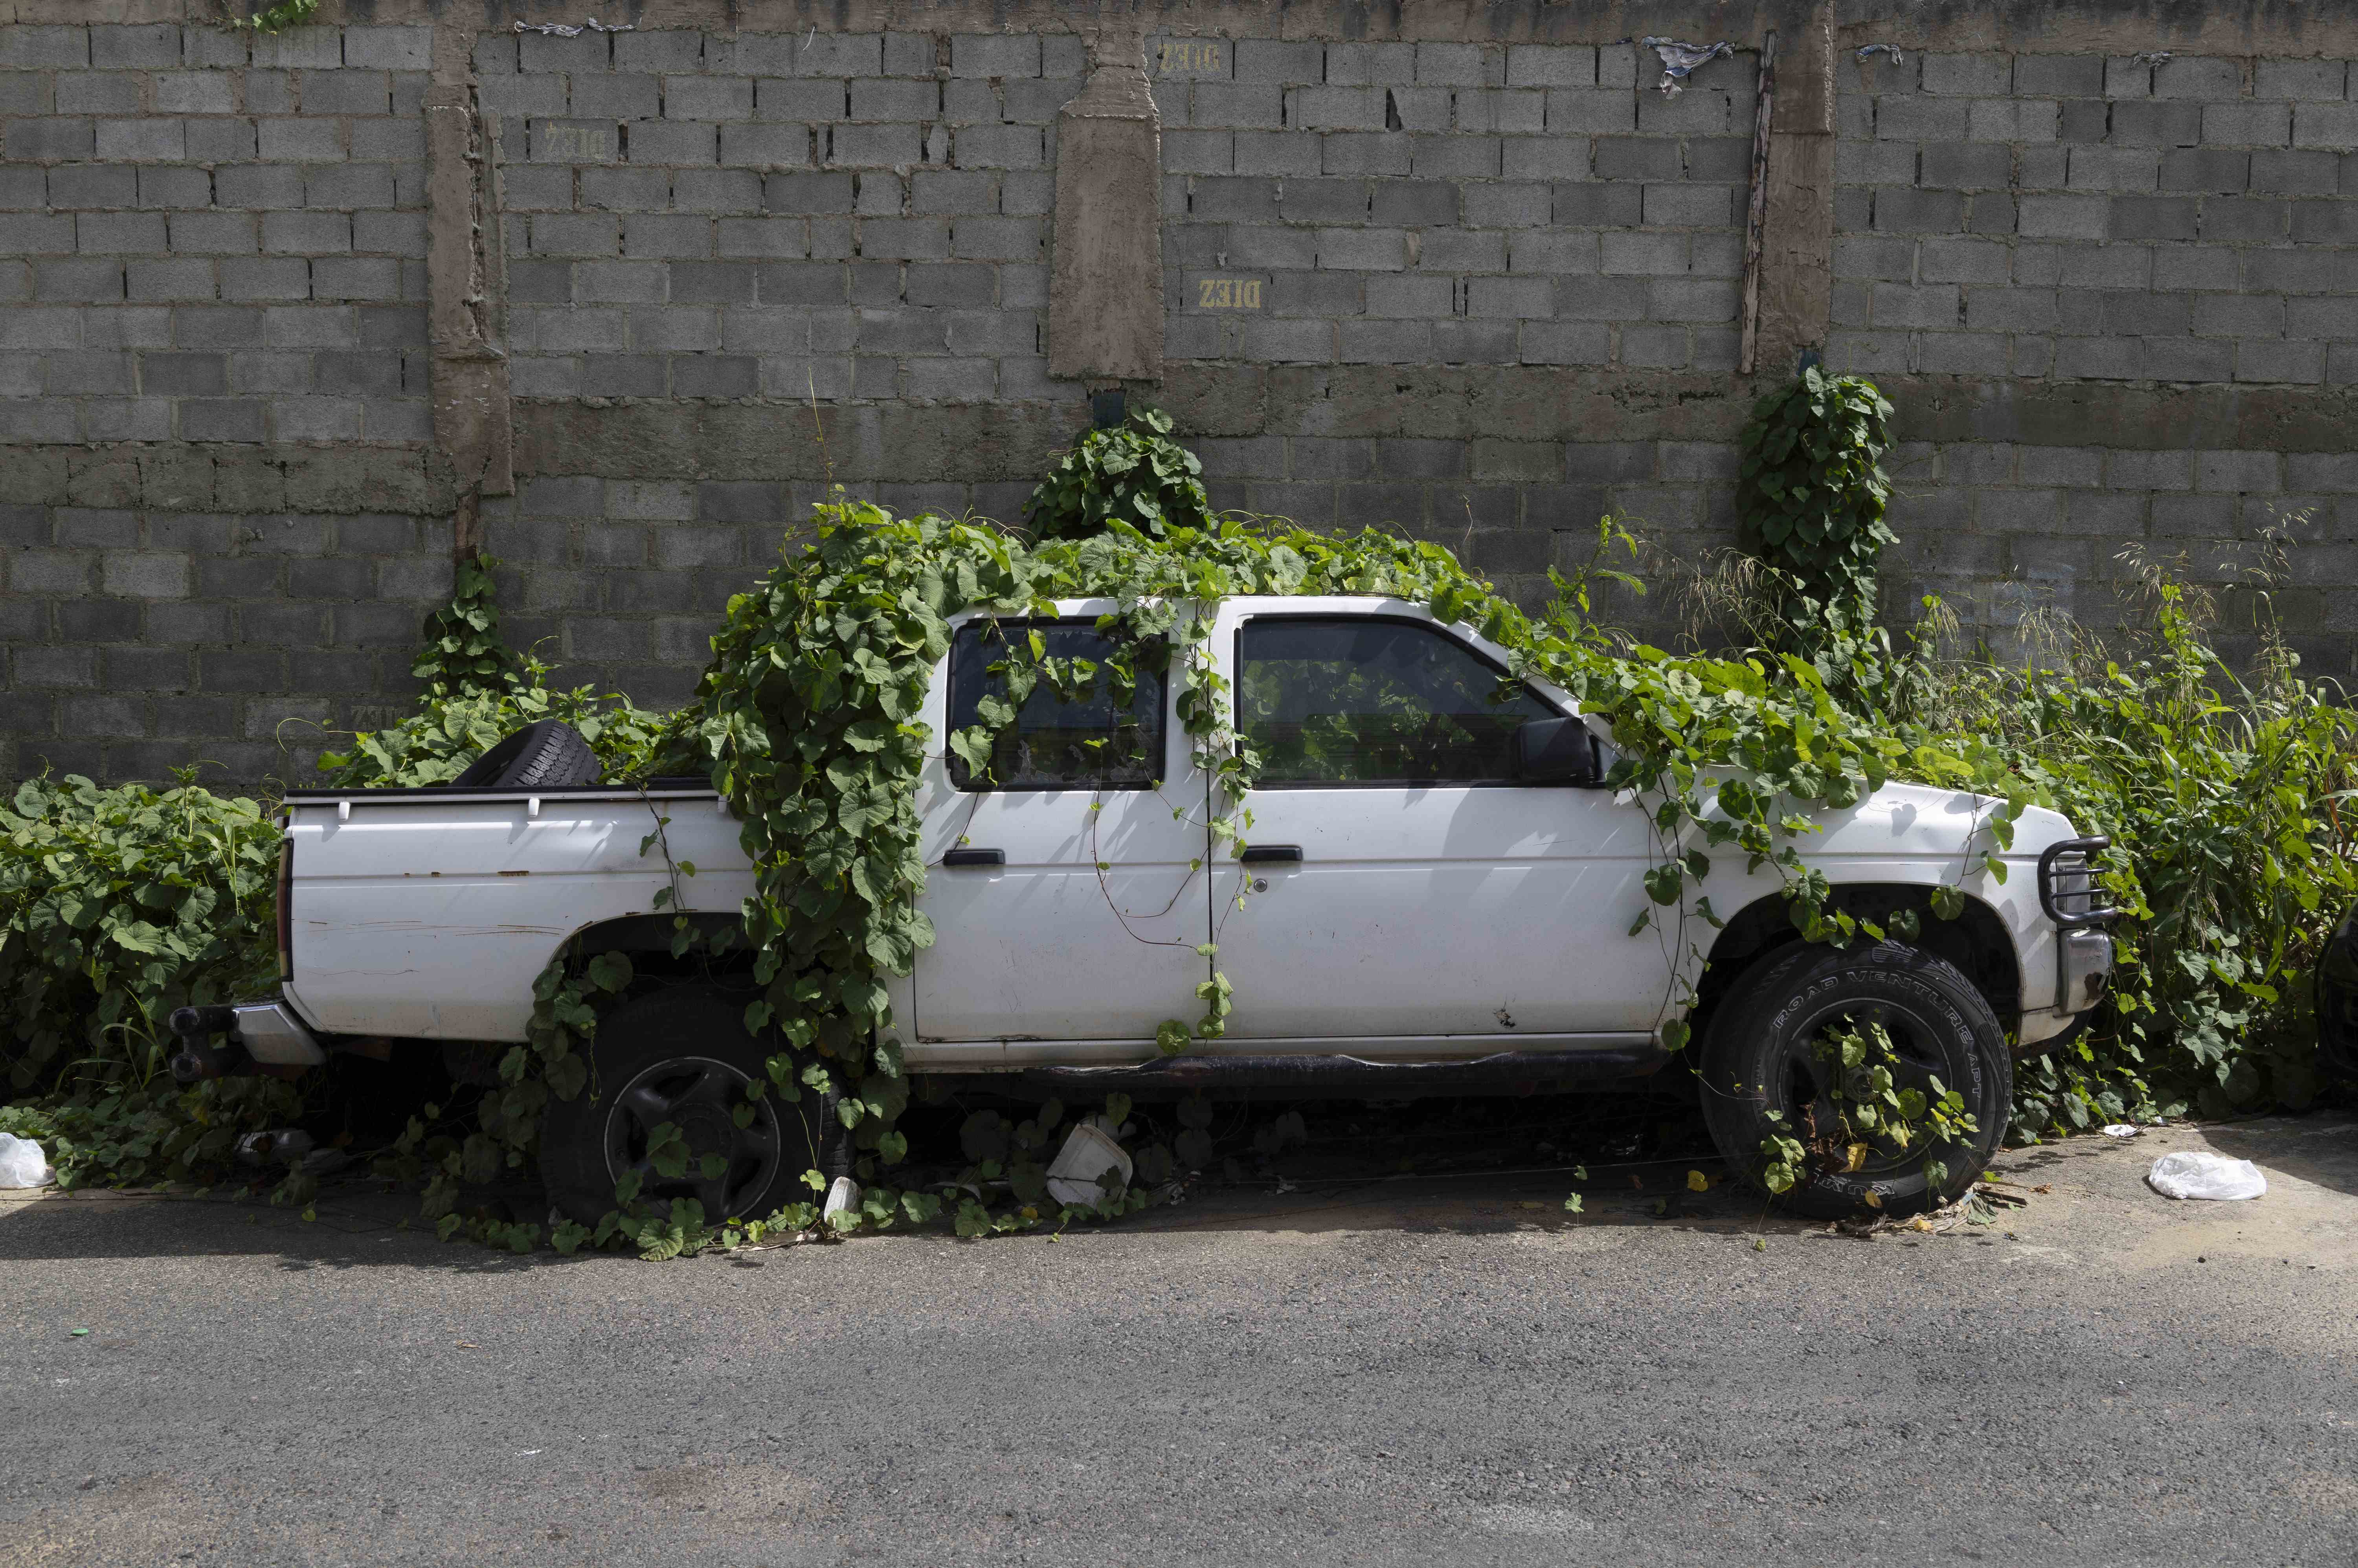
<point x="2072" y="897"/>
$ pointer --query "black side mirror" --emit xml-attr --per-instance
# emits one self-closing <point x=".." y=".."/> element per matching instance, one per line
<point x="1556" y="750"/>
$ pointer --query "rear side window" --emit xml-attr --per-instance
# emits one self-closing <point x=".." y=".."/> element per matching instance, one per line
<point x="1083" y="724"/>
<point x="1375" y="702"/>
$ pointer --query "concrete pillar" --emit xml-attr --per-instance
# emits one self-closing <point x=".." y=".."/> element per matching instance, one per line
<point x="465" y="287"/>
<point x="1798" y="229"/>
<point x="1105" y="292"/>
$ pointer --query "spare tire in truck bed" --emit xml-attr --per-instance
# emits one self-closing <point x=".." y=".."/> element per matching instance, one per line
<point x="548" y="754"/>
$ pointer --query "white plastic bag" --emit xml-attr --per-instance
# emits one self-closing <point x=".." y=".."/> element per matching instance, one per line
<point x="2191" y="1174"/>
<point x="22" y="1164"/>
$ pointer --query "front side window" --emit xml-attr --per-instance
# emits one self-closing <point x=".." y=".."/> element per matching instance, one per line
<point x="1061" y="710"/>
<point x="1375" y="702"/>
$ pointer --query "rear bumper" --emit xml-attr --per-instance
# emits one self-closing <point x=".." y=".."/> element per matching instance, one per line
<point x="264" y="1034"/>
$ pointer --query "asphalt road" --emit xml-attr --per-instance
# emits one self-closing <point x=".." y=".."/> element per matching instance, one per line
<point x="1357" y="1371"/>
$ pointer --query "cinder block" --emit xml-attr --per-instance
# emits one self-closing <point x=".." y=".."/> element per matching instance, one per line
<point x="1567" y="343"/>
<point x="32" y="48"/>
<point x="1269" y="61"/>
<point x="2061" y="216"/>
<point x="2098" y="358"/>
<point x="716" y="190"/>
<point x="1969" y="75"/>
<point x="522" y="96"/>
<point x="1369" y="64"/>
<point x="1960" y="353"/>
<point x="2248" y="124"/>
<point x="2013" y="120"/>
<point x="1509" y="297"/>
<point x="1352" y="152"/>
<point x="1554" y="253"/>
<point x="350" y="186"/>
<point x="1503" y="206"/>
<point x="2311" y="79"/>
<point x="1921" y="119"/>
<point x="2226" y="218"/>
<point x="1382" y="250"/>
<point x="708" y="97"/>
<point x="159" y="140"/>
<point x="2114" y="169"/>
<point x="1973" y="166"/>
<point x="652" y="236"/>
<point x="389" y="49"/>
<point x="2059" y="76"/>
<point x="97" y="93"/>
<point x="1594" y="206"/>
<point x="39" y="234"/>
<point x="1445" y="251"/>
<point x="345" y="92"/>
<point x="673" y="141"/>
<point x="1430" y="157"/>
<point x="92" y="280"/>
<point x="2153" y="218"/>
<point x="1964" y="261"/>
<point x="604" y="97"/>
<point x="994" y="54"/>
<point x="1690" y="206"/>
<point x="1899" y="210"/>
<point x="2304" y="173"/>
<point x="2313" y="125"/>
<point x="1544" y="158"/>
<point x="300" y="140"/>
<point x="669" y="50"/>
<point x="973" y="147"/>
<point x="1548" y="65"/>
<point x="2155" y="125"/>
<point x="2198" y="77"/>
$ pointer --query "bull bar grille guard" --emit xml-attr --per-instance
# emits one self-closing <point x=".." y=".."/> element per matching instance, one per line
<point x="2067" y="869"/>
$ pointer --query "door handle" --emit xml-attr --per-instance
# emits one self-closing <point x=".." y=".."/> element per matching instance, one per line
<point x="975" y="858"/>
<point x="1267" y="854"/>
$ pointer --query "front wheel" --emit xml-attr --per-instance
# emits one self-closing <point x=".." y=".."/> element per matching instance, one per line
<point x="1836" y="1080"/>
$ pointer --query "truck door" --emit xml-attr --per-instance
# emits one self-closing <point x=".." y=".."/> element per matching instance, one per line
<point x="1401" y="885"/>
<point x="1065" y="877"/>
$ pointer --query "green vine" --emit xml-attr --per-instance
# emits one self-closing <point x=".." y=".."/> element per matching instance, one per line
<point x="1133" y="473"/>
<point x="461" y="653"/>
<point x="1809" y="500"/>
<point x="277" y="18"/>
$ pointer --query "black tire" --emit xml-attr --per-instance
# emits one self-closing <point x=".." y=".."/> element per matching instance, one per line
<point x="1758" y="1056"/>
<point x="548" y="755"/>
<point x="682" y="1055"/>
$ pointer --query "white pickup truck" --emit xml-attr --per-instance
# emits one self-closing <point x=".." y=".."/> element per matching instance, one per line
<point x="1437" y="897"/>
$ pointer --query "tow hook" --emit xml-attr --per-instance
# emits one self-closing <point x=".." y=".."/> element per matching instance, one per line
<point x="199" y="1057"/>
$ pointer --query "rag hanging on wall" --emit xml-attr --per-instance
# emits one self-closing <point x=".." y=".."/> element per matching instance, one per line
<point x="1678" y="60"/>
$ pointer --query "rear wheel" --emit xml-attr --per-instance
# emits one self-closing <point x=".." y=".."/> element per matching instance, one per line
<point x="676" y="1064"/>
<point x="1803" y="1051"/>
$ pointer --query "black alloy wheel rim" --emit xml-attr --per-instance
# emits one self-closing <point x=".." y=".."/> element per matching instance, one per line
<point x="700" y="1096"/>
<point x="1806" y="1091"/>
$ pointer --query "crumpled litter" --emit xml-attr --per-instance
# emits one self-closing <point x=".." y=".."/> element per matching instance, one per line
<point x="2190" y="1173"/>
<point x="22" y="1164"/>
<point x="592" y="25"/>
<point x="1898" y="57"/>
<point x="2151" y="57"/>
<point x="1680" y="60"/>
<point x="2120" y="1129"/>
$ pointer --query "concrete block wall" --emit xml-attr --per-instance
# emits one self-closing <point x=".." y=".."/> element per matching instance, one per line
<point x="2084" y="217"/>
<point x="1449" y="203"/>
<point x="840" y="215"/>
<point x="1474" y="278"/>
<point x="208" y="237"/>
<point x="169" y="604"/>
